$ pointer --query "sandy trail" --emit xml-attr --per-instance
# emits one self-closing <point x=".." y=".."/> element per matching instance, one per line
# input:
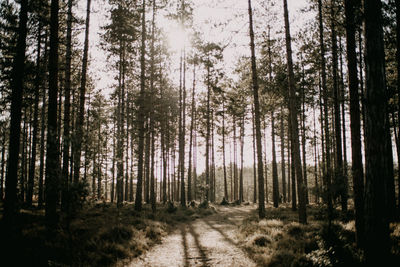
<point x="205" y="242"/>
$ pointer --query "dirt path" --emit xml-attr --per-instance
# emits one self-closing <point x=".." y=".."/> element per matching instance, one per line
<point x="205" y="242"/>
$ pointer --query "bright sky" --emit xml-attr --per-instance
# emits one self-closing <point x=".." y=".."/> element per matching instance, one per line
<point x="224" y="21"/>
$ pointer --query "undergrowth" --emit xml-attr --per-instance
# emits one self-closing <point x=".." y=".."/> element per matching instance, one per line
<point x="99" y="235"/>
<point x="279" y="240"/>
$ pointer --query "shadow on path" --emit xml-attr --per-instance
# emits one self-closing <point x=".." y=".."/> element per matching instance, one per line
<point x="202" y="251"/>
<point x="185" y="246"/>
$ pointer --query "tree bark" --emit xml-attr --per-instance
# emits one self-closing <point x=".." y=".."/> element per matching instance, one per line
<point x="328" y="170"/>
<point x="261" y="204"/>
<point x="82" y="92"/>
<point x="378" y="172"/>
<point x="294" y="122"/>
<point x="31" y="179"/>
<point x="67" y="107"/>
<point x="52" y="156"/>
<point x="141" y="113"/>
<point x="17" y="83"/>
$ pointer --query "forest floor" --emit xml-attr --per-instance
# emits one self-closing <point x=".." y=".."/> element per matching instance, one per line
<point x="235" y="236"/>
<point x="103" y="235"/>
<point x="208" y="241"/>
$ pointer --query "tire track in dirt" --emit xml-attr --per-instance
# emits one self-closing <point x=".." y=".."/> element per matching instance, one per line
<point x="205" y="242"/>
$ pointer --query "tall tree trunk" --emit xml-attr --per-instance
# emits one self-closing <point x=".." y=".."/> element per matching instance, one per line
<point x="52" y="156"/>
<point x="377" y="148"/>
<point x="152" y="117"/>
<point x="82" y="93"/>
<point x="147" y="164"/>
<point x="342" y="101"/>
<point x="3" y="162"/>
<point x="275" y="182"/>
<point x="261" y="205"/>
<point x="17" y="83"/>
<point x="67" y="107"/>
<point x="208" y="136"/>
<point x="254" y="157"/>
<point x="339" y="181"/>
<point x="283" y="155"/>
<point x="397" y="2"/>
<point x="292" y="168"/>
<point x="189" y="190"/>
<point x="42" y="139"/>
<point x="23" y="160"/>
<point x="141" y="113"/>
<point x="223" y="150"/>
<point x="303" y="135"/>
<point x="235" y="171"/>
<point x="294" y="122"/>
<point x="32" y="167"/>
<point x="241" y="159"/>
<point x="182" y="135"/>
<point x="328" y="170"/>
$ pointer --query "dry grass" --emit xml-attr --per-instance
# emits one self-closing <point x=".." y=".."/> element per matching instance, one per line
<point x="100" y="235"/>
<point x="279" y="240"/>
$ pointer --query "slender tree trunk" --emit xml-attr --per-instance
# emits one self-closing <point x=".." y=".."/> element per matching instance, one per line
<point x="377" y="206"/>
<point x="32" y="167"/>
<point x="343" y="100"/>
<point x="303" y="136"/>
<point x="397" y="2"/>
<point x="294" y="122"/>
<point x="208" y="136"/>
<point x="241" y="159"/>
<point x="82" y="92"/>
<point x="189" y="190"/>
<point x="67" y="107"/>
<point x="223" y="149"/>
<point x="3" y="162"/>
<point x="338" y="132"/>
<point x="328" y="170"/>
<point x="254" y="158"/>
<point x="17" y="83"/>
<point x="141" y="113"/>
<point x="235" y="171"/>
<point x="282" y="135"/>
<point x="292" y="168"/>
<point x="42" y="141"/>
<point x="52" y="156"/>
<point x="275" y="182"/>
<point x="261" y="205"/>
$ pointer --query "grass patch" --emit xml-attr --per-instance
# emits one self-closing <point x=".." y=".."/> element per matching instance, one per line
<point x="99" y="235"/>
<point x="279" y="240"/>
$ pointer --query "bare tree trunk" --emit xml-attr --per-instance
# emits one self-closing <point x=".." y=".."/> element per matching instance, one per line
<point x="32" y="167"/>
<point x="52" y="156"/>
<point x="275" y="182"/>
<point x="328" y="170"/>
<point x="261" y="205"/>
<point x="377" y="206"/>
<point x="82" y="92"/>
<point x="17" y="83"/>
<point x="282" y="135"/>
<point x="294" y="123"/>
<point x="254" y="158"/>
<point x="138" y="199"/>
<point x="67" y="108"/>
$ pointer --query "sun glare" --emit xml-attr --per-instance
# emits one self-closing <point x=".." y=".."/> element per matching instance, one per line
<point x="178" y="38"/>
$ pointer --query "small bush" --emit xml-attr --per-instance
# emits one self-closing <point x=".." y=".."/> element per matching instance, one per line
<point x="171" y="207"/>
<point x="117" y="234"/>
<point x="204" y="205"/>
<point x="224" y="202"/>
<point x="261" y="241"/>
